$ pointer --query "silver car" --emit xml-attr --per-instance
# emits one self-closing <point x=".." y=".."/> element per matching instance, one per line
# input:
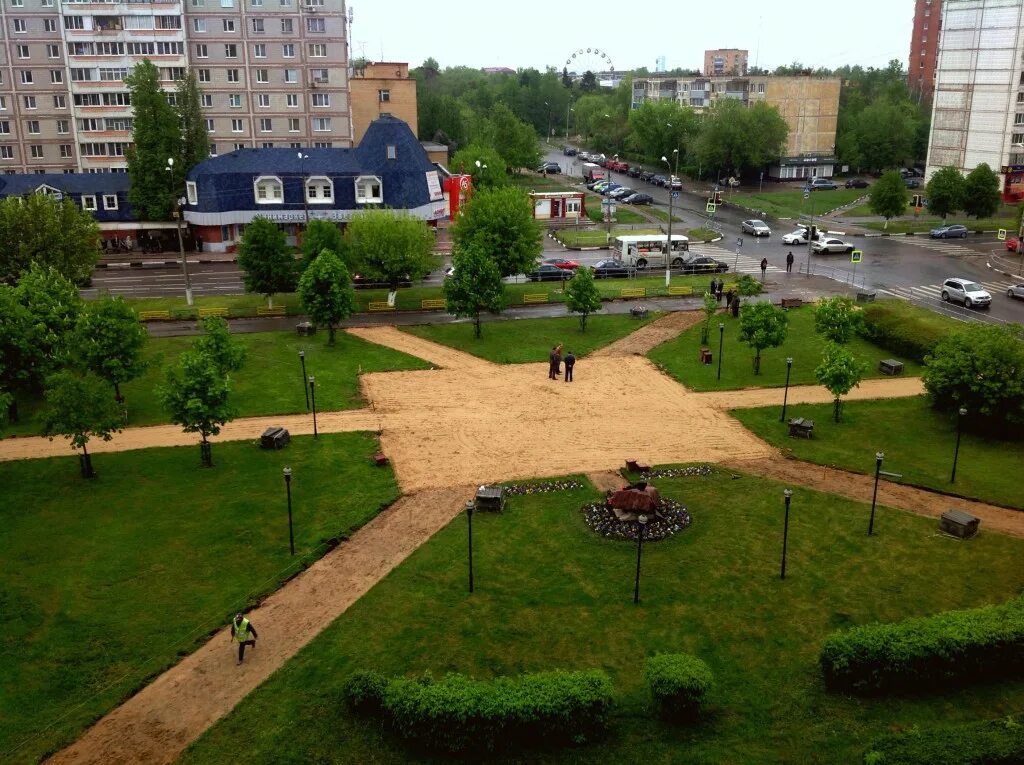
<point x="965" y="291"/>
<point x="830" y="245"/>
<point x="1016" y="291"/>
<point x="755" y="228"/>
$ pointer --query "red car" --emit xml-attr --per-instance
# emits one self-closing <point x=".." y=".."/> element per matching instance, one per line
<point x="1011" y="243"/>
<point x="618" y="165"/>
<point x="563" y="263"/>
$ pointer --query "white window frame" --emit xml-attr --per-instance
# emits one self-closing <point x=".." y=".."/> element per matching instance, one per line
<point x="269" y="182"/>
<point x="263" y="100"/>
<point x="266" y="125"/>
<point x="292" y="100"/>
<point x="89" y="202"/>
<point x="364" y="190"/>
<point x="239" y="124"/>
<point x="319" y="182"/>
<point x="293" y="125"/>
<point x="259" y="50"/>
<point x="110" y="201"/>
<point x="191" y="192"/>
<point x="321" y="124"/>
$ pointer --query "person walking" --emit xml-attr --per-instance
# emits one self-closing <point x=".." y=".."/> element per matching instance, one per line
<point x="764" y="267"/>
<point x="789" y="262"/>
<point x="721" y="286"/>
<point x="570" y="362"/>
<point x="714" y="286"/>
<point x="551" y="363"/>
<point x="240" y="631"/>
<point x="558" y="360"/>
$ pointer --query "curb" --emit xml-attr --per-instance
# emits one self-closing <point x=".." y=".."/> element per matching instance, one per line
<point x="1001" y="271"/>
<point x="160" y="263"/>
<point x="925" y="233"/>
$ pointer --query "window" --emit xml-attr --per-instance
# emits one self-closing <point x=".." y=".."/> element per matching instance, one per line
<point x="74" y="22"/>
<point x="317" y="50"/>
<point x="59" y="102"/>
<point x="211" y="126"/>
<point x="230" y="51"/>
<point x="237" y="146"/>
<point x="290" y="75"/>
<point x="295" y="145"/>
<point x="236" y="126"/>
<point x="293" y="124"/>
<point x="19" y="26"/>
<point x="235" y="100"/>
<point x="232" y="75"/>
<point x="140" y="49"/>
<point x="63" y="127"/>
<point x="17" y="3"/>
<point x="266" y="125"/>
<point x="23" y="52"/>
<point x="3" y="103"/>
<point x="292" y="100"/>
<point x="227" y="3"/>
<point x="384" y="96"/>
<point x="321" y="99"/>
<point x="316" y="25"/>
<point x="90" y="124"/>
<point x="37" y="151"/>
<point x="26" y="77"/>
<point x="89" y="202"/>
<point x="262" y="75"/>
<point x="288" y="50"/>
<point x="392" y="151"/>
<point x="117" y="73"/>
<point x="202" y="51"/>
<point x="314" y="3"/>
<point x="32" y="126"/>
<point x="213" y="150"/>
<point x="321" y="124"/>
<point x="110" y="201"/>
<point x="269" y="189"/>
<point x="198" y="25"/>
<point x="319" y="190"/>
<point x="198" y="3"/>
<point x="49" y="25"/>
<point x="267" y="144"/>
<point x="286" y="3"/>
<point x="191" y="192"/>
<point x="256" y="3"/>
<point x="5" y="127"/>
<point x="287" y="26"/>
<point x="263" y="100"/>
<point x="259" y="50"/>
<point x="65" y="150"/>
<point x="204" y="75"/>
<point x="368" y="190"/>
<point x="56" y="75"/>
<point x="82" y="75"/>
<point x="319" y="75"/>
<point x="30" y="102"/>
<point x="53" y="51"/>
<point x="167" y="22"/>
<point x="257" y="26"/>
<point x="6" y="152"/>
<point x="229" y="25"/>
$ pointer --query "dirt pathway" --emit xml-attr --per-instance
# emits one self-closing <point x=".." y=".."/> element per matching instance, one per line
<point x="435" y="353"/>
<point x="891" y="387"/>
<point x="156" y="725"/>
<point x="651" y="335"/>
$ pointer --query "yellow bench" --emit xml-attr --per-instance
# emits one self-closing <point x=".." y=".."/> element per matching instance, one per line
<point x="376" y="306"/>
<point x="207" y="312"/>
<point x="152" y="315"/>
<point x="277" y="310"/>
<point x="680" y="290"/>
<point x="535" y="297"/>
<point x="633" y="292"/>
<point x="433" y="303"/>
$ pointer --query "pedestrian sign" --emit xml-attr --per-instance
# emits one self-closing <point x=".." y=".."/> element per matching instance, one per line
<point x="711" y="207"/>
<point x="855" y="256"/>
<point x="806" y="194"/>
<point x="1001" y="234"/>
<point x="739" y="241"/>
<point x="675" y="195"/>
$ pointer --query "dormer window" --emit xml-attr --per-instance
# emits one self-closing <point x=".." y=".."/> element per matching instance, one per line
<point x="392" y="151"/>
<point x="269" y="190"/>
<point x="191" y="192"/>
<point x="89" y="202"/>
<point x="369" y="190"/>
<point x="319" y="190"/>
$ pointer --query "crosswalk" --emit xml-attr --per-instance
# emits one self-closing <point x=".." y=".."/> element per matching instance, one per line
<point x="934" y="291"/>
<point x="945" y="246"/>
<point x="744" y="264"/>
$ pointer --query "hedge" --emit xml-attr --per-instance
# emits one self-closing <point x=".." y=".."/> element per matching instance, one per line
<point x="364" y="692"/>
<point x="459" y="714"/>
<point x="990" y="742"/>
<point x="679" y="683"/>
<point x="904" y="329"/>
<point x="934" y="652"/>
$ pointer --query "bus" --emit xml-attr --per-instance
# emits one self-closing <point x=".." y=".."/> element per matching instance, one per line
<point x="649" y="250"/>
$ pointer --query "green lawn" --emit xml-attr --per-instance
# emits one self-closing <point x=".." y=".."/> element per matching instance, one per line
<point x="549" y="593"/>
<point x="107" y="582"/>
<point x="702" y="234"/>
<point x="917" y="441"/>
<point x="623" y="214"/>
<point x="269" y="383"/>
<point x="526" y="340"/>
<point x="680" y="357"/>
<point x="791" y="204"/>
<point x="537" y="182"/>
<point x="598" y="237"/>
<point x="662" y="215"/>
<point x="927" y="224"/>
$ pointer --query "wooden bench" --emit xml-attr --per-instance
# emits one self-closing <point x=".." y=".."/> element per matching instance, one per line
<point x="890" y="367"/>
<point x="378" y="306"/>
<point x="535" y="297"/>
<point x="865" y="297"/>
<point x="154" y="315"/>
<point x="792" y="302"/>
<point x="433" y="303"/>
<point x="207" y="312"/>
<point x="680" y="290"/>
<point x="277" y="310"/>
<point x="633" y="292"/>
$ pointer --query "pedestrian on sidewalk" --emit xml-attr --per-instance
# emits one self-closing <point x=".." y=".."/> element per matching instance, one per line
<point x="764" y="267"/>
<point x="551" y="363"/>
<point x="789" y="262"/>
<point x="718" y="294"/>
<point x="714" y="286"/>
<point x="570" y="362"/>
<point x="558" y="359"/>
<point x="240" y="631"/>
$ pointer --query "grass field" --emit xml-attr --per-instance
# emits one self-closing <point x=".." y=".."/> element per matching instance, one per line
<point x="679" y="357"/>
<point x="917" y="441"/>
<point x="927" y="224"/>
<point x="598" y="237"/>
<point x="269" y="383"/>
<point x="106" y="582"/>
<point x="791" y="204"/>
<point x="549" y="594"/>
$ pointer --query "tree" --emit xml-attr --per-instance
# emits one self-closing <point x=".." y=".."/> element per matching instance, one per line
<point x="888" y="197"/>
<point x="325" y="291"/>
<point x="489" y="173"/>
<point x="53" y="306"/>
<point x="660" y="126"/>
<point x="266" y="262"/>
<point x="390" y="246"/>
<point x="884" y="134"/>
<point x="710" y="307"/>
<point x="36" y="228"/>
<point x="588" y="82"/>
<point x="109" y="340"/>
<point x="945" y="191"/>
<point x="500" y="221"/>
<point x="981" y="192"/>
<point x="156" y="137"/>
<point x="217" y="344"/>
<point x="762" y="326"/>
<point x="79" y="407"/>
<point x="195" y="396"/>
<point x="839" y="371"/>
<point x="474" y="286"/>
<point x="734" y="137"/>
<point x="978" y="367"/>
<point x="837" y="319"/>
<point x="195" y="141"/>
<point x="320" y="235"/>
<point x="16" y="352"/>
<point x="513" y="139"/>
<point x="582" y="295"/>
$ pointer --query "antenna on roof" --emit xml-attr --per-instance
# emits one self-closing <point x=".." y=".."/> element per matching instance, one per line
<point x="757" y="45"/>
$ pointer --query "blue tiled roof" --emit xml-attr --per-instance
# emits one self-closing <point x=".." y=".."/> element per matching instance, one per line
<point x="75" y="186"/>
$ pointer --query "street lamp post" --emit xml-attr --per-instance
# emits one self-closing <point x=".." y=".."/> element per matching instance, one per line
<point x="671" y="193"/>
<point x="879" y="456"/>
<point x="288" y="488"/>
<point x="302" y="360"/>
<point x="305" y="197"/>
<point x="469" y="518"/>
<point x="785" y="395"/>
<point x="178" y="214"/>
<point x="312" y="397"/>
<point x="956" y="453"/>
<point x="721" y="338"/>
<point x="640" y="532"/>
<point x="809" y="194"/>
<point x="788" y="494"/>
<point x="547" y="136"/>
<point x="568" y="109"/>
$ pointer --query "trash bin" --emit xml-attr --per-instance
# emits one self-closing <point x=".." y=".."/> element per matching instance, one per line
<point x="274" y="438"/>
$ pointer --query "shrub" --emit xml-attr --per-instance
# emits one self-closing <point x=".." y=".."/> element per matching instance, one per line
<point x="364" y="692"/>
<point x="933" y="652"/>
<point x="748" y="286"/>
<point x="903" y="329"/>
<point x="679" y="683"/>
<point x="989" y="742"/>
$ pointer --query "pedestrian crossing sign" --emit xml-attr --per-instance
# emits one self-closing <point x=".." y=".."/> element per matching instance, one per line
<point x="1001" y="235"/>
<point x="855" y="256"/>
<point x="711" y="207"/>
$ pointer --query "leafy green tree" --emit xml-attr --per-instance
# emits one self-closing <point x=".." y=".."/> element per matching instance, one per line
<point x="588" y="82"/>
<point x="710" y="307"/>
<point x="109" y="340"/>
<point x="762" y="326"/>
<point x="156" y="137"/>
<point x="978" y="367"/>
<point x="512" y="138"/>
<point x="582" y="295"/>
<point x="883" y="133"/>
<point x="945" y="191"/>
<point x="474" y="286"/>
<point x="53" y="304"/>
<point x="217" y="344"/>
<point x="17" y="354"/>
<point x="265" y="259"/>
<point x="888" y="196"/>
<point x="320" y="235"/>
<point x="839" y="372"/>
<point x="195" y="396"/>
<point x="837" y="319"/>
<point x="390" y="246"/>
<point x="658" y="127"/>
<point x="500" y="221"/>
<point x="36" y="228"/>
<point x="981" y="192"/>
<point x="490" y="173"/>
<point x="195" y="141"/>
<point x="325" y="291"/>
<point x="79" y="407"/>
<point x="734" y="137"/>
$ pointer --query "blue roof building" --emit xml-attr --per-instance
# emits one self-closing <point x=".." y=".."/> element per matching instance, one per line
<point x="105" y="195"/>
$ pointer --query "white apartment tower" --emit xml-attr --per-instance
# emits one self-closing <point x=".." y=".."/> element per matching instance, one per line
<point x="272" y="73"/>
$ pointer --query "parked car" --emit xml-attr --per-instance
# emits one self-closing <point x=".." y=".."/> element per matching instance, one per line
<point x="949" y="232"/>
<point x="1011" y="243"/>
<point x="635" y="170"/>
<point x="607" y="190"/>
<point x="755" y="228"/>
<point x="912" y="183"/>
<point x="609" y="269"/>
<point x="856" y="183"/>
<point x="830" y="245"/>
<point x="702" y="264"/>
<point x="584" y="155"/>
<point x="564" y="263"/>
<point x="822" y="184"/>
<point x="796" y="237"/>
<point x="659" y="180"/>
<point x="965" y="291"/>
<point x="569" y="151"/>
<point x="618" y="165"/>
<point x="548" y="273"/>
<point x="550" y="167"/>
<point x="598" y="185"/>
<point x="676" y="184"/>
<point x="647" y="175"/>
<point x="1016" y="291"/>
<point x="622" y="192"/>
<point x="638" y="199"/>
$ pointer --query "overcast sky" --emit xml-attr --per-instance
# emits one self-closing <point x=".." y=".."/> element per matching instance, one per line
<point x="531" y="33"/>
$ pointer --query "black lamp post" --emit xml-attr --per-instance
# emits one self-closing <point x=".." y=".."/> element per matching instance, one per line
<point x="302" y="360"/>
<point x="785" y="395"/>
<point x="469" y="518"/>
<point x="879" y="456"/>
<point x="288" y="488"/>
<point x="721" y="338"/>
<point x="956" y="453"/>
<point x="312" y="397"/>
<point x="640" y="533"/>
<point x="788" y="494"/>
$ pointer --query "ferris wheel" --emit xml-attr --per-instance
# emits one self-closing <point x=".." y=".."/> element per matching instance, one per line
<point x="589" y="60"/>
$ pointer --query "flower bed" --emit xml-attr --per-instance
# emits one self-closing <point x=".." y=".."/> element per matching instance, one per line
<point x="543" y="487"/>
<point x="602" y="520"/>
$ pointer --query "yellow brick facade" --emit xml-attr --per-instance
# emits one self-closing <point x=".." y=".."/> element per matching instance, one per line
<point x="810" y="107"/>
<point x="368" y="82"/>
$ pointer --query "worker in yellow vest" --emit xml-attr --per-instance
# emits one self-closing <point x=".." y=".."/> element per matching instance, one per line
<point x="240" y="631"/>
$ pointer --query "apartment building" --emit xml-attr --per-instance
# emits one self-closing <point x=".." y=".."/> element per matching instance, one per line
<point x="924" y="47"/>
<point x="382" y="87"/>
<point x="723" y="61"/>
<point x="273" y="73"/>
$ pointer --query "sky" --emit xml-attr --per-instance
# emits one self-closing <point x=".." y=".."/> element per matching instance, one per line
<point x="531" y="33"/>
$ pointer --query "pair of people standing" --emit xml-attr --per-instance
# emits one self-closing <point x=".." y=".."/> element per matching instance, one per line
<point x="555" y="363"/>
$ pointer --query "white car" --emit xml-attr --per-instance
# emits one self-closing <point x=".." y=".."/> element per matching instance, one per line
<point x="755" y="228"/>
<point x="1016" y="291"/>
<point x="797" y="237"/>
<point x="830" y="245"/>
<point x="965" y="291"/>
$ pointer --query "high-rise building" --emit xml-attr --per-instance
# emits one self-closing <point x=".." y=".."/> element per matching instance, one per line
<point x="924" y="47"/>
<point x="725" y="61"/>
<point x="272" y="73"/>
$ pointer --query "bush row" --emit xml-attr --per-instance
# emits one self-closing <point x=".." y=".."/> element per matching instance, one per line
<point x="679" y="683"/>
<point x="928" y="652"/>
<point x="904" y="330"/>
<point x="990" y="742"/>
